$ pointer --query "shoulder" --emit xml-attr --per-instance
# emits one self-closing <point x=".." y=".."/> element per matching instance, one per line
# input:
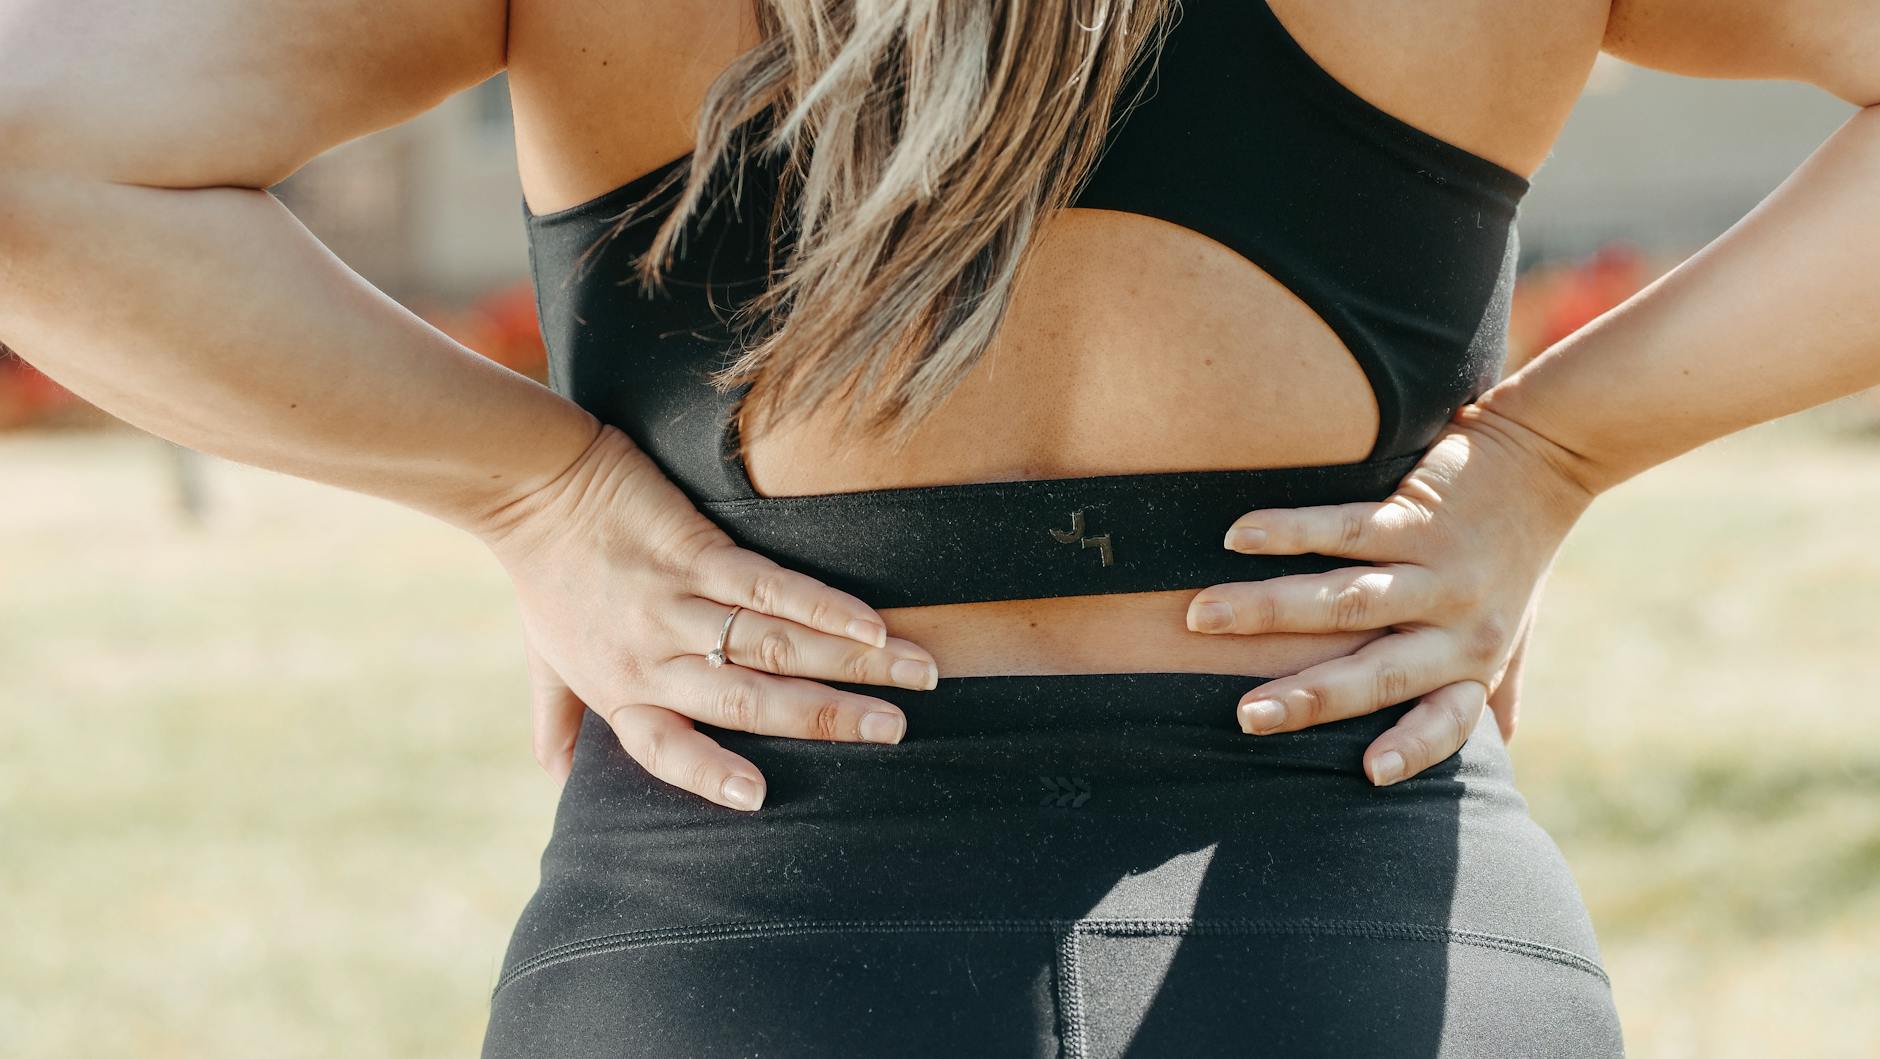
<point x="605" y="90"/>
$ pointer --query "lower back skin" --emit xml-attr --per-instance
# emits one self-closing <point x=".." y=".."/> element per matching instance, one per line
<point x="1132" y="345"/>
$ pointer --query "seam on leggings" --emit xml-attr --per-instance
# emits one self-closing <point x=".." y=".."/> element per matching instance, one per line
<point x="1071" y="995"/>
<point x="612" y="943"/>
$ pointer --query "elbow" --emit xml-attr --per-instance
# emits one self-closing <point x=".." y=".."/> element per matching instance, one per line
<point x="1867" y="118"/>
<point x="1863" y="92"/>
<point x="1849" y="62"/>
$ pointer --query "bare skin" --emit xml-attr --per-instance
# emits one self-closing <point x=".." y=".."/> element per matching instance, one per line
<point x="142" y="265"/>
<point x="1126" y="331"/>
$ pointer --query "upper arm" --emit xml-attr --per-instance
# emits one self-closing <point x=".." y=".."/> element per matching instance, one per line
<point x="198" y="93"/>
<point x="1834" y="44"/>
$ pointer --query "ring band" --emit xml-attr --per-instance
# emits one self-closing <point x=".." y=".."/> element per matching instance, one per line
<point x="716" y="656"/>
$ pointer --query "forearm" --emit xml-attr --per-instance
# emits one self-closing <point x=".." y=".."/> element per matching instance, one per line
<point x="1777" y="315"/>
<point x="215" y="319"/>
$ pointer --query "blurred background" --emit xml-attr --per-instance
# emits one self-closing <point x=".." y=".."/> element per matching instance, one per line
<point x="265" y="781"/>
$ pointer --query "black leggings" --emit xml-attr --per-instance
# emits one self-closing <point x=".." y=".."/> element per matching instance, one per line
<point x="1086" y="865"/>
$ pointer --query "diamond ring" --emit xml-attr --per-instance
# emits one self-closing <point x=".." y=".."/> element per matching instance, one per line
<point x="716" y="656"/>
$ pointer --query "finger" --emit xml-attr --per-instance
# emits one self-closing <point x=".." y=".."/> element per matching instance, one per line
<point x="1384" y="672"/>
<point x="669" y="748"/>
<point x="1433" y="729"/>
<point x="776" y="645"/>
<point x="555" y="714"/>
<point x="1358" y="530"/>
<point x="1344" y="600"/>
<point x="746" y="700"/>
<point x="736" y="575"/>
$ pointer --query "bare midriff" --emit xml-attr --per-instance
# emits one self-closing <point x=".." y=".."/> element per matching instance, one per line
<point x="1137" y="632"/>
<point x="1132" y="345"/>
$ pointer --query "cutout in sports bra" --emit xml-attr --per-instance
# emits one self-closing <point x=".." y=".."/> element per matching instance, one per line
<point x="1403" y="243"/>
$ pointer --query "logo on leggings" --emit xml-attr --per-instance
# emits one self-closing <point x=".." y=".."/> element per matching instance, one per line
<point x="1076" y="533"/>
<point x="1065" y="792"/>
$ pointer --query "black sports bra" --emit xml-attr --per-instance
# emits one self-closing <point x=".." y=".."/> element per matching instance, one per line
<point x="1404" y="243"/>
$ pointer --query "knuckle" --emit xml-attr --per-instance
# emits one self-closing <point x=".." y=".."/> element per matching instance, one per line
<point x="632" y="670"/>
<point x="1390" y="683"/>
<point x="1310" y="705"/>
<point x="644" y="744"/>
<point x="1405" y="523"/>
<point x="737" y="706"/>
<point x="1417" y="752"/>
<point x="1259" y="611"/>
<point x="766" y="589"/>
<point x="825" y="720"/>
<point x="1351" y="606"/>
<point x="1456" y="712"/>
<point x="700" y="777"/>
<point x="1485" y="640"/>
<point x="821" y="613"/>
<point x="1350" y="529"/>
<point x="858" y="667"/>
<point x="692" y="565"/>
<point x="1467" y="591"/>
<point x="776" y="653"/>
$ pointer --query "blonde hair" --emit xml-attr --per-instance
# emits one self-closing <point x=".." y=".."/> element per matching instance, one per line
<point x="925" y="141"/>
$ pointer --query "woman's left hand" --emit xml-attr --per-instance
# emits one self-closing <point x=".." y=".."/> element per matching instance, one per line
<point x="1461" y="549"/>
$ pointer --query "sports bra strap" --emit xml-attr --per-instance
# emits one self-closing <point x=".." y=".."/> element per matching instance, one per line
<point x="1046" y="537"/>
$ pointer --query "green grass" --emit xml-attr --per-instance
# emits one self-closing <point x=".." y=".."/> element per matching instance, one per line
<point x="265" y="785"/>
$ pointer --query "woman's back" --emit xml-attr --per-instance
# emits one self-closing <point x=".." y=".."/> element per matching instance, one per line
<point x="1134" y="343"/>
<point x="1075" y="850"/>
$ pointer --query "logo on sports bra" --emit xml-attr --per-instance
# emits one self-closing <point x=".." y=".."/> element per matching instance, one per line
<point x="1065" y="792"/>
<point x="1076" y="533"/>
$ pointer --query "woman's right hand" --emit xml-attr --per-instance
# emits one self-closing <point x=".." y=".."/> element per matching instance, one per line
<point x="623" y="587"/>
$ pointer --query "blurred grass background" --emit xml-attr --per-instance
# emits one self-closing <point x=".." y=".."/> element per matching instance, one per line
<point x="265" y="785"/>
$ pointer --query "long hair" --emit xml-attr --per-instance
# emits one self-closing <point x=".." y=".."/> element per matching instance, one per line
<point x="922" y="141"/>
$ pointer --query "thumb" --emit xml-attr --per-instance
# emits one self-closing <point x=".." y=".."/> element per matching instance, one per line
<point x="555" y="714"/>
<point x="1504" y="699"/>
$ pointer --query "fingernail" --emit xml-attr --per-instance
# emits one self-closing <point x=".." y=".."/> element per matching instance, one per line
<point x="882" y="726"/>
<point x="868" y="632"/>
<point x="1388" y="768"/>
<point x="1245" y="537"/>
<point x="1210" y="616"/>
<point x="742" y="793"/>
<point x="1261" y="714"/>
<point x="909" y="673"/>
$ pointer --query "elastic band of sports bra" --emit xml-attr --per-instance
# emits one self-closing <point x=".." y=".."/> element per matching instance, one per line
<point x="1045" y="537"/>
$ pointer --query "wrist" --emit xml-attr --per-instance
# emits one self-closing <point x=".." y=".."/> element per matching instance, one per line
<point x="555" y="460"/>
<point x="1576" y="474"/>
<point x="1564" y="481"/>
<point x="593" y="496"/>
